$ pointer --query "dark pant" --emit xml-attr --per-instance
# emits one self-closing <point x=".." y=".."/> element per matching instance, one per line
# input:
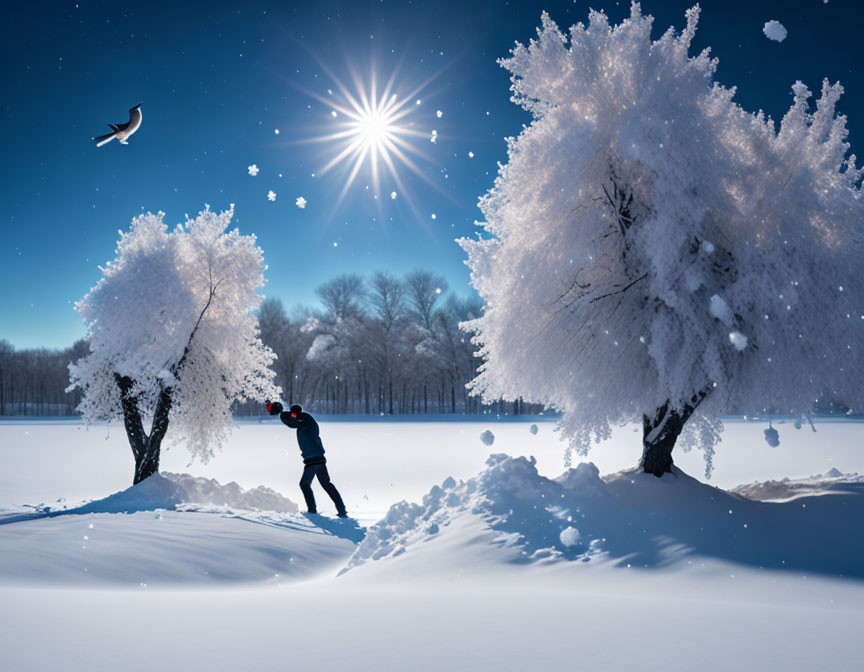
<point x="320" y="470"/>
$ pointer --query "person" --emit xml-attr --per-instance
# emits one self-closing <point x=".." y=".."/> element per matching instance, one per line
<point x="312" y="450"/>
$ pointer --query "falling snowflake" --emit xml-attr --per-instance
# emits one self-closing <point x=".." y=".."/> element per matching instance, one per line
<point x="774" y="30"/>
<point x="439" y="114"/>
<point x="434" y="216"/>
<point x="470" y="155"/>
<point x="739" y="340"/>
<point x="333" y="113"/>
<point x="253" y="170"/>
<point x="276" y="131"/>
<point x="300" y="202"/>
<point x="393" y="195"/>
<point x="271" y="195"/>
<point x="434" y="136"/>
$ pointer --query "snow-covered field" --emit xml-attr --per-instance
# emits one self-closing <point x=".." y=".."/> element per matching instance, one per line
<point x="501" y="565"/>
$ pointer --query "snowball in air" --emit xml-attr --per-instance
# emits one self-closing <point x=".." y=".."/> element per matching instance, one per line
<point x="271" y="195"/>
<point x="738" y="339"/>
<point x="487" y="437"/>
<point x="720" y="309"/>
<point x="393" y="195"/>
<point x="253" y="170"/>
<point x="300" y="202"/>
<point x="470" y="155"/>
<point x="569" y="536"/>
<point x="533" y="429"/>
<point x="434" y="216"/>
<point x="774" y="30"/>
<point x="276" y="131"/>
<point x="439" y="114"/>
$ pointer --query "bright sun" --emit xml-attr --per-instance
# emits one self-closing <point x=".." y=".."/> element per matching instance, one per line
<point x="373" y="129"/>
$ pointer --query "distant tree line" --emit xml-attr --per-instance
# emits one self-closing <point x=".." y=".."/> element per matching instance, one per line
<point x="33" y="381"/>
<point x="378" y="345"/>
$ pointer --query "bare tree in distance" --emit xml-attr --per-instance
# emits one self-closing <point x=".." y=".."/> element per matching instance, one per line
<point x="342" y="295"/>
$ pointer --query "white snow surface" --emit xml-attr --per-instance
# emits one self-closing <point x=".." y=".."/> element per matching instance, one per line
<point x="511" y="565"/>
<point x="167" y="490"/>
<point x="626" y="519"/>
<point x="832" y="481"/>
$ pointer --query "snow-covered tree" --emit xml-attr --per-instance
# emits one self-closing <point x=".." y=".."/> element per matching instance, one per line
<point x="659" y="255"/>
<point x="174" y="336"/>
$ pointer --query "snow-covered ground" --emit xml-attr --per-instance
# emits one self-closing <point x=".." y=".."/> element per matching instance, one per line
<point x="507" y="563"/>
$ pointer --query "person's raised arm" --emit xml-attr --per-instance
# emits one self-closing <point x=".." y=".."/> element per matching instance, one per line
<point x="289" y="419"/>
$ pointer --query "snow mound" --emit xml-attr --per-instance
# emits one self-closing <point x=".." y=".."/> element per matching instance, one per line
<point x="168" y="491"/>
<point x="188" y="546"/>
<point x="487" y="437"/>
<point x="511" y="514"/>
<point x="526" y="512"/>
<point x="174" y="529"/>
<point x="832" y="481"/>
<point x="209" y="491"/>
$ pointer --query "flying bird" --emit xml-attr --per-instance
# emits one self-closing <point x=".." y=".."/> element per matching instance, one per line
<point x="122" y="131"/>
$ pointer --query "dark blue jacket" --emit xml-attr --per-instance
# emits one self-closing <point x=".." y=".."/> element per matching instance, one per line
<point x="311" y="447"/>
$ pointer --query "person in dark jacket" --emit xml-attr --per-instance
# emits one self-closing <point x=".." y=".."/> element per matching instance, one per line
<point x="312" y="450"/>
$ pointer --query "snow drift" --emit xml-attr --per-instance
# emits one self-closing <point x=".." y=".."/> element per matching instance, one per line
<point x="169" y="491"/>
<point x="173" y="528"/>
<point x="624" y="519"/>
<point x="832" y="481"/>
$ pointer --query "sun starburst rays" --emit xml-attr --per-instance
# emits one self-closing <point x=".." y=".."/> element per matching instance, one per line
<point x="374" y="130"/>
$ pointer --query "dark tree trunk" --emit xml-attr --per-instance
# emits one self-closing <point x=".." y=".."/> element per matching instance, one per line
<point x="145" y="449"/>
<point x="660" y="432"/>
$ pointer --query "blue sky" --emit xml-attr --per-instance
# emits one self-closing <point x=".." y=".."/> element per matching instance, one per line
<point x="218" y="79"/>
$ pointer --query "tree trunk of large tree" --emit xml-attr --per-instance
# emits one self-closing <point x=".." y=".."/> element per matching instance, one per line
<point x="145" y="449"/>
<point x="660" y="432"/>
